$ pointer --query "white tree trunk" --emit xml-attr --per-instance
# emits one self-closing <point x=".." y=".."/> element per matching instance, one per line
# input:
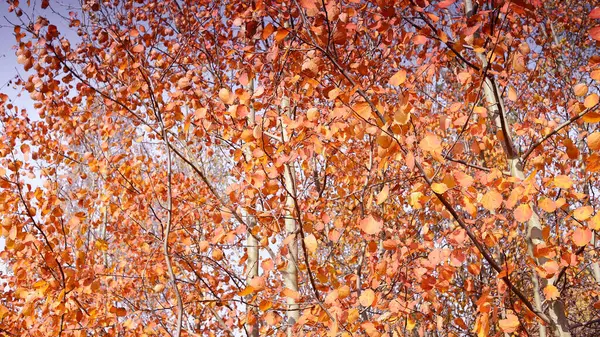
<point x="291" y="271"/>
<point x="534" y="229"/>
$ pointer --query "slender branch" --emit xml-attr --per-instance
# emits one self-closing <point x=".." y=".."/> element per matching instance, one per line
<point x="555" y="131"/>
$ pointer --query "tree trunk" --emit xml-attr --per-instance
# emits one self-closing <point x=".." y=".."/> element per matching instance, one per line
<point x="534" y="229"/>
<point x="291" y="271"/>
<point x="251" y="241"/>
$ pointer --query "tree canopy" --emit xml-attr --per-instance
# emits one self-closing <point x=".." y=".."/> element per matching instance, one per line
<point x="302" y="168"/>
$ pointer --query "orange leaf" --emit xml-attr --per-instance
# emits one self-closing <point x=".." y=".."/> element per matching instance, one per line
<point x="547" y="204"/>
<point x="582" y="236"/>
<point x="563" y="181"/>
<point x="367" y="298"/>
<point x="591" y="101"/>
<point x="445" y="3"/>
<point x="281" y="34"/>
<point x="463" y="179"/>
<point x="580" y="89"/>
<point x="583" y="213"/>
<point x="491" y="200"/>
<point x="510" y="324"/>
<point x="226" y="96"/>
<point x="593" y="141"/>
<point x="551" y="292"/>
<point x="594" y="222"/>
<point x="287" y="292"/>
<point x="138" y="48"/>
<point x="371" y="226"/>
<point x="308" y="4"/>
<point x="595" y="13"/>
<point x="363" y="109"/>
<point x="523" y="213"/>
<point x="551" y="267"/>
<point x="591" y="117"/>
<point x="312" y="114"/>
<point x="382" y="196"/>
<point x="398" y="78"/>
<point x="311" y="243"/>
<point x="512" y="94"/>
<point x="431" y="143"/>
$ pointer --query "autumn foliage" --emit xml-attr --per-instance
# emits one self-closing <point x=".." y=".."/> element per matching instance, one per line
<point x="302" y="168"/>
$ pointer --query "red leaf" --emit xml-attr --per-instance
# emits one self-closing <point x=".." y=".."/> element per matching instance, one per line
<point x="595" y="33"/>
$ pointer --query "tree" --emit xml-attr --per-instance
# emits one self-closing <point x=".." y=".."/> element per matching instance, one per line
<point x="394" y="168"/>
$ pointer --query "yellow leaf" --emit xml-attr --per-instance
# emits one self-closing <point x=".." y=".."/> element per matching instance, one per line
<point x="594" y="222"/>
<point x="410" y="323"/>
<point x="287" y="292"/>
<point x="401" y="117"/>
<point x="439" y="188"/>
<point x="312" y="114"/>
<point x="547" y="204"/>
